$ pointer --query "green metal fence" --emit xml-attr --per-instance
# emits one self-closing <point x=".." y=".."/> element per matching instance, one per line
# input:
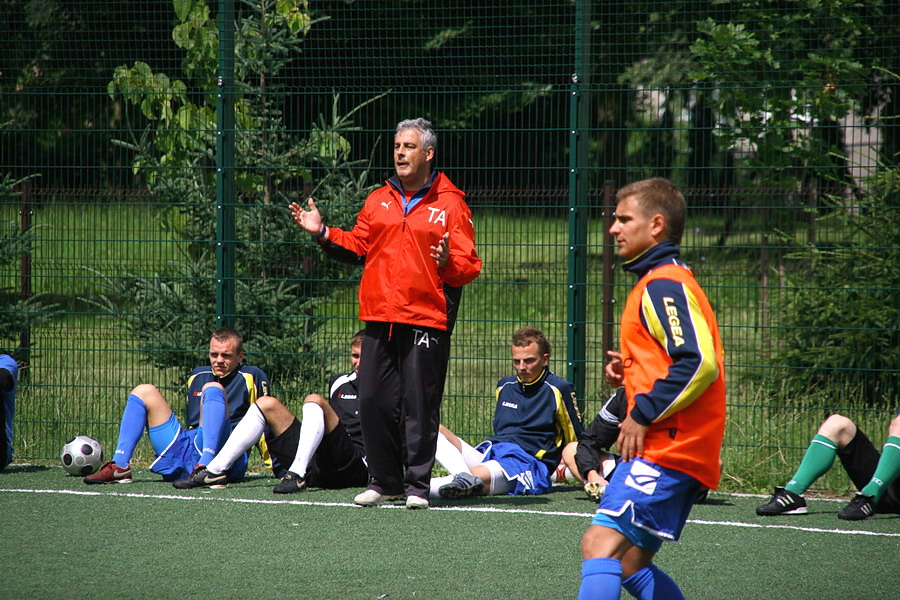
<point x="148" y="153"/>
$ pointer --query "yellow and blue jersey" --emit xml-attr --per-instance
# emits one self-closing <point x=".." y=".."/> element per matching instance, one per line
<point x="539" y="417"/>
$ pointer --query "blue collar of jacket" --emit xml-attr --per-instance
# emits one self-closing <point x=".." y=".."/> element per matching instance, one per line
<point x="533" y="385"/>
<point x="664" y="253"/>
<point x="395" y="183"/>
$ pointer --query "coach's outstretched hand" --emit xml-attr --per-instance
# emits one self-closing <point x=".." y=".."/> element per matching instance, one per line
<point x="308" y="220"/>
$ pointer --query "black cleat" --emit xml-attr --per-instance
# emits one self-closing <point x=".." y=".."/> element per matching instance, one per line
<point x="290" y="484"/>
<point x="861" y="507"/>
<point x="200" y="477"/>
<point x="783" y="502"/>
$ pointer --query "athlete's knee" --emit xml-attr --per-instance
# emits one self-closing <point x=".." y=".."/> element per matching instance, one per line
<point x="268" y="403"/>
<point x="316" y="399"/>
<point x="150" y="395"/>
<point x="839" y="429"/>
<point x="145" y="390"/>
<point x="894" y="429"/>
<point x="211" y="384"/>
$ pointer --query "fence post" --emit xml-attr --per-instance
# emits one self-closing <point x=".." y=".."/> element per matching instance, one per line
<point x="609" y="298"/>
<point x="225" y="212"/>
<point x="24" y="349"/>
<point x="579" y="174"/>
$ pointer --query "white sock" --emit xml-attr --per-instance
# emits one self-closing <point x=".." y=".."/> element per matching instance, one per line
<point x="499" y="483"/>
<point x="436" y="483"/>
<point x="312" y="430"/>
<point x="244" y="436"/>
<point x="449" y="456"/>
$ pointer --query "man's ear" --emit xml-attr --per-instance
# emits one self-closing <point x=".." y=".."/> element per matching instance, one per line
<point x="429" y="153"/>
<point x="657" y="226"/>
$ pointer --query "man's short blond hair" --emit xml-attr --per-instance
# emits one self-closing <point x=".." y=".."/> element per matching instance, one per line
<point x="659" y="196"/>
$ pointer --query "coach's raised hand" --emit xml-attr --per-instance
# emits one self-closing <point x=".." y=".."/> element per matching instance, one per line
<point x="309" y="220"/>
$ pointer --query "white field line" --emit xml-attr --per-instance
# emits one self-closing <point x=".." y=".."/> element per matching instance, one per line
<point x="475" y="509"/>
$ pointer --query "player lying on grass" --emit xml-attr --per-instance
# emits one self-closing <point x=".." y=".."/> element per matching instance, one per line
<point x="589" y="459"/>
<point x="535" y="416"/>
<point x="874" y="476"/>
<point x="325" y="450"/>
<point x="218" y="396"/>
<point x="9" y="377"/>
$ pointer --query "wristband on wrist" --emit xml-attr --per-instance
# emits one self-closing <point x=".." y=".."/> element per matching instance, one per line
<point x="322" y="232"/>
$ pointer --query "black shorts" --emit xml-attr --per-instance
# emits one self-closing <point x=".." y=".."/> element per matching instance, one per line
<point x="860" y="457"/>
<point x="337" y="463"/>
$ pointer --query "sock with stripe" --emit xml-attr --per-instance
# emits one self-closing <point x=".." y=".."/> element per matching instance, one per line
<point x="818" y="459"/>
<point x="886" y="471"/>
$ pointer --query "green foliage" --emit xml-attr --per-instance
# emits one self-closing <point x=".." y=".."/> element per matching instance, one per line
<point x="837" y="333"/>
<point x="171" y="314"/>
<point x="18" y="314"/>
<point x="782" y="76"/>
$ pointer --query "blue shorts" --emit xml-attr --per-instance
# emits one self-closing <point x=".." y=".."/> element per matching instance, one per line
<point x="647" y="503"/>
<point x="178" y="451"/>
<point x="530" y="474"/>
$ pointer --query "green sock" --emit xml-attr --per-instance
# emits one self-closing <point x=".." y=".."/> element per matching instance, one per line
<point x="886" y="471"/>
<point x="818" y="459"/>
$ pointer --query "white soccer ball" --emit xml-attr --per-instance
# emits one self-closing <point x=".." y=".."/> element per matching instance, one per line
<point x="82" y="455"/>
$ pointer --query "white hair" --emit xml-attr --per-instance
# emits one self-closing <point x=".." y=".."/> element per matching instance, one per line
<point x="429" y="139"/>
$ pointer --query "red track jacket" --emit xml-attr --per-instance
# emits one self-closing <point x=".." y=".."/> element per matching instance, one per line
<point x="401" y="282"/>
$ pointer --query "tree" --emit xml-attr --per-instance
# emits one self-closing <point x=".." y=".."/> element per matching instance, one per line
<point x="20" y="312"/>
<point x="841" y="338"/>
<point x="170" y="314"/>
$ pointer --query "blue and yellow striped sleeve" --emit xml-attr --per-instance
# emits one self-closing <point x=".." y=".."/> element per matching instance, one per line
<point x="672" y="315"/>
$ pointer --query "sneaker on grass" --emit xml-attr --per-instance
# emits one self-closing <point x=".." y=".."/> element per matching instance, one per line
<point x="373" y="498"/>
<point x="110" y="473"/>
<point x="783" y="502"/>
<point x="200" y="477"/>
<point x="860" y="507"/>
<point x="416" y="502"/>
<point x="290" y="483"/>
<point x="464" y="484"/>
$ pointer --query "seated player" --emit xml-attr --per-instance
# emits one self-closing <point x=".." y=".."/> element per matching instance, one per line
<point x="535" y="416"/>
<point x="218" y="395"/>
<point x="874" y="476"/>
<point x="9" y="377"/>
<point x="325" y="450"/>
<point x="589" y="459"/>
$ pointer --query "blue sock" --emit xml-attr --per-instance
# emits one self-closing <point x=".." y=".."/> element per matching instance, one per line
<point x="134" y="419"/>
<point x="213" y="423"/>
<point x="650" y="583"/>
<point x="601" y="579"/>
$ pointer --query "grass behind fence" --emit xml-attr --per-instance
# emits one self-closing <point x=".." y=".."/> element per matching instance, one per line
<point x="83" y="363"/>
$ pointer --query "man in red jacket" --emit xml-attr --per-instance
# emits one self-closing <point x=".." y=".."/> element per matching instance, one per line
<point x="415" y="238"/>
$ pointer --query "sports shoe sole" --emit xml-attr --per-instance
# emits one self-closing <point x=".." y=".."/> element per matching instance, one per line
<point x="129" y="480"/>
<point x="454" y="492"/>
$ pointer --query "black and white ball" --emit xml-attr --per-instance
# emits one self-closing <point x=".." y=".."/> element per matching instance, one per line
<point x="82" y="455"/>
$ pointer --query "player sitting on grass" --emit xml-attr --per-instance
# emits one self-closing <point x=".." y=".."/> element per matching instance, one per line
<point x="534" y="417"/>
<point x="875" y="477"/>
<point x="218" y="395"/>
<point x="589" y="458"/>
<point x="9" y="377"/>
<point x="326" y="449"/>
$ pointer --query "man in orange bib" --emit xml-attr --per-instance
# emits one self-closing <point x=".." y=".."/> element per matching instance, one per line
<point x="671" y="363"/>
